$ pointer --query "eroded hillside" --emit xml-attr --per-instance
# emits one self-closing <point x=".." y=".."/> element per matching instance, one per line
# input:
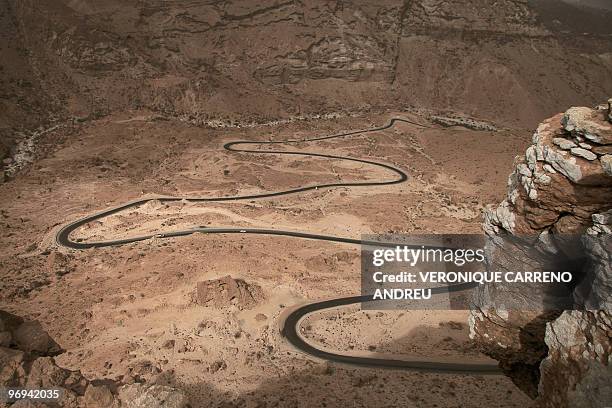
<point x="255" y="61"/>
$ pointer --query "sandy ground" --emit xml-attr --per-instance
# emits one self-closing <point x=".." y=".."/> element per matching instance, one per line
<point x="128" y="312"/>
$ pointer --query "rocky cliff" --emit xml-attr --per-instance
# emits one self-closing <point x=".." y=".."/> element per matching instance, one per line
<point x="247" y="61"/>
<point x="560" y="187"/>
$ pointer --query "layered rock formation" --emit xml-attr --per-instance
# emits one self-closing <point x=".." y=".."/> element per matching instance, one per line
<point x="256" y="61"/>
<point x="27" y="362"/>
<point x="563" y="179"/>
<point x="560" y="188"/>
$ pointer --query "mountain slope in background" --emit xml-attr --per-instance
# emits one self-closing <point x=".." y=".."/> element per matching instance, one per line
<point x="241" y="60"/>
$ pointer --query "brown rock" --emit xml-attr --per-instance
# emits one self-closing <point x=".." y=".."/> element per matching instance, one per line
<point x="12" y="371"/>
<point x="4" y="151"/>
<point x="32" y="338"/>
<point x="168" y="344"/>
<point x="26" y="368"/>
<point x="601" y="150"/>
<point x="99" y="396"/>
<point x="564" y="199"/>
<point x="69" y="399"/>
<point x="217" y="366"/>
<point x="9" y="321"/>
<point x="59" y="263"/>
<point x="143" y="370"/>
<point x="44" y="373"/>
<point x="516" y="340"/>
<point x="6" y="338"/>
<point x="228" y="291"/>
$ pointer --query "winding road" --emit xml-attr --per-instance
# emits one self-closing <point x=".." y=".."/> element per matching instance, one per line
<point x="291" y="322"/>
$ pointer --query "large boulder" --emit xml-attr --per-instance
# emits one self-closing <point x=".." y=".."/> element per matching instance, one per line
<point x="32" y="338"/>
<point x="227" y="291"/>
<point x="560" y="188"/>
<point x="553" y="188"/>
<point x="26" y="335"/>
<point x="590" y="124"/>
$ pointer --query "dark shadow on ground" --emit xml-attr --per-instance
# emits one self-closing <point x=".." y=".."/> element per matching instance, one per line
<point x="322" y="384"/>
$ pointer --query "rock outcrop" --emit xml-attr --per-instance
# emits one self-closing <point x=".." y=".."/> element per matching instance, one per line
<point x="154" y="396"/>
<point x="227" y="291"/>
<point x="557" y="186"/>
<point x="560" y="188"/>
<point x="27" y="336"/>
<point x="27" y="361"/>
<point x="577" y="371"/>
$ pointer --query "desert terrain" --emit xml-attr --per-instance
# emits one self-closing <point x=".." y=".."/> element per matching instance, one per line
<point x="107" y="103"/>
<point x="132" y="312"/>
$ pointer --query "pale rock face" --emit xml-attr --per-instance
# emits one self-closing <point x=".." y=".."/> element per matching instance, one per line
<point x="501" y="216"/>
<point x="585" y="154"/>
<point x="524" y="170"/>
<point x="531" y="157"/>
<point x="543" y="178"/>
<point x="155" y="396"/>
<point x="564" y="164"/>
<point x="577" y="370"/>
<point x="533" y="194"/>
<point x="563" y="360"/>
<point x="588" y="123"/>
<point x="564" y="143"/>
